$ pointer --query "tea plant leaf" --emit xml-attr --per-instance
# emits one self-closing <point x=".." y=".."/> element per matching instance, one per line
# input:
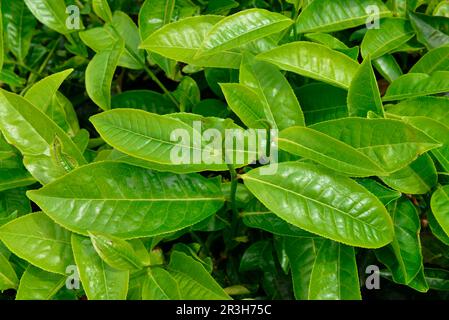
<point x="274" y="90"/>
<point x="37" y="284"/>
<point x="383" y="193"/>
<point x="153" y="15"/>
<point x="388" y="67"/>
<point x="338" y="15"/>
<point x="428" y="34"/>
<point x="147" y="100"/>
<point x="417" y="84"/>
<point x="367" y="224"/>
<point x="100" y="281"/>
<point x="387" y="150"/>
<point x="364" y="95"/>
<point x="160" y="202"/>
<point x="403" y="256"/>
<point x="439" y="204"/>
<point x="160" y="285"/>
<point x="102" y="9"/>
<point x="393" y="32"/>
<point x="315" y="61"/>
<point x="8" y="277"/>
<point x="99" y="75"/>
<point x="435" y="60"/>
<point x="334" y="273"/>
<point x="314" y="145"/>
<point x="241" y="28"/>
<point x="438" y="279"/>
<point x="38" y="240"/>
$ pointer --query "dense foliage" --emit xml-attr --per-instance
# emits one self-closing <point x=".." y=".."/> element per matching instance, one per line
<point x="350" y="98"/>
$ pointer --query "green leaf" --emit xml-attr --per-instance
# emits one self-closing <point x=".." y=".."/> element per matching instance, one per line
<point x="100" y="281"/>
<point x="37" y="284"/>
<point x="116" y="252"/>
<point x="322" y="102"/>
<point x="334" y="274"/>
<point x="364" y="95"/>
<point x="383" y="193"/>
<point x="194" y="282"/>
<point x="99" y="75"/>
<point x="403" y="256"/>
<point x="51" y="13"/>
<point x="19" y="24"/>
<point x="8" y="277"/>
<point x="314" y="145"/>
<point x="35" y="135"/>
<point x="439" y="205"/>
<point x="42" y="92"/>
<point x="417" y="84"/>
<point x="153" y="15"/>
<point x="417" y="178"/>
<point x="315" y="61"/>
<point x="428" y="31"/>
<point x="436" y="229"/>
<point x="435" y="60"/>
<point x="38" y="240"/>
<point x="144" y="99"/>
<point x="274" y="89"/>
<point x="182" y="40"/>
<point x="102" y="9"/>
<point x="397" y="146"/>
<point x="327" y="40"/>
<point x="338" y="15"/>
<point x="392" y="33"/>
<point x="388" y="67"/>
<point x="88" y="198"/>
<point x="160" y="285"/>
<point x="241" y="28"/>
<point x="438" y="279"/>
<point x="296" y="194"/>
<point x="13" y="203"/>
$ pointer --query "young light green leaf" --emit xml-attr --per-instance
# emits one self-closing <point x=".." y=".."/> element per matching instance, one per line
<point x="274" y="89"/>
<point x="100" y="281"/>
<point x="439" y="204"/>
<point x="417" y="84"/>
<point x="364" y="95"/>
<point x="339" y="15"/>
<point x="37" y="284"/>
<point x="388" y="67"/>
<point x="315" y="61"/>
<point x="194" y="282"/>
<point x="160" y="285"/>
<point x="8" y="277"/>
<point x="116" y="252"/>
<point x="241" y="28"/>
<point x="38" y="240"/>
<point x="311" y="209"/>
<point x="327" y="40"/>
<point x="102" y="9"/>
<point x="403" y="256"/>
<point x="99" y="75"/>
<point x="153" y="15"/>
<point x="435" y="60"/>
<point x="314" y="145"/>
<point x="334" y="274"/>
<point x="88" y="198"/>
<point x="392" y="33"/>
<point x="387" y="149"/>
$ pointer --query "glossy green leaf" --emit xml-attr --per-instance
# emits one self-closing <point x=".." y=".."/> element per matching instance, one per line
<point x="315" y="61"/>
<point x="144" y="99"/>
<point x="363" y="95"/>
<point x="397" y="146"/>
<point x="428" y="32"/>
<point x="417" y="178"/>
<point x="438" y="279"/>
<point x="417" y="84"/>
<point x="327" y="40"/>
<point x="37" y="239"/>
<point x="182" y="40"/>
<point x="241" y="28"/>
<point x="160" y="285"/>
<point x="392" y="33"/>
<point x="435" y="60"/>
<point x="37" y="284"/>
<point x="388" y="67"/>
<point x="99" y="75"/>
<point x="88" y="198"/>
<point x="116" y="252"/>
<point x="314" y="145"/>
<point x="403" y="256"/>
<point x="102" y="9"/>
<point x="275" y="91"/>
<point x="153" y="15"/>
<point x="339" y="15"/>
<point x="334" y="274"/>
<point x="8" y="277"/>
<point x="51" y="13"/>
<point x="19" y="24"/>
<point x="439" y="204"/>
<point x="194" y="282"/>
<point x="100" y="281"/>
<point x="436" y="228"/>
<point x="13" y="203"/>
<point x="383" y="193"/>
<point x="322" y="102"/>
<point x="296" y="194"/>
<point x="35" y="136"/>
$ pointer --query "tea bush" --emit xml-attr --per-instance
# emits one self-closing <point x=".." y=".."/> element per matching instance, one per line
<point x="193" y="149"/>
